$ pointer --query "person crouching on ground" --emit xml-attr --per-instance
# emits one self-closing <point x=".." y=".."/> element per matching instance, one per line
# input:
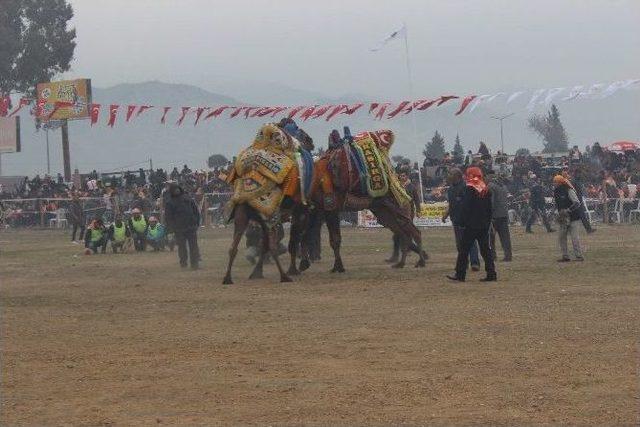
<point x="96" y="236"/>
<point x="475" y="217"/>
<point x="569" y="207"/>
<point x="156" y="237"/>
<point x="118" y="234"/>
<point x="138" y="226"/>
<point x="183" y="217"/>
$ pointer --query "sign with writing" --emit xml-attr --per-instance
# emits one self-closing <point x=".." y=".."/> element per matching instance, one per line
<point x="9" y="134"/>
<point x="430" y="216"/>
<point x="64" y="100"/>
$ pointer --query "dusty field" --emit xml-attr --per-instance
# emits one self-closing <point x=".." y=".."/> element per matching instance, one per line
<point x="132" y="340"/>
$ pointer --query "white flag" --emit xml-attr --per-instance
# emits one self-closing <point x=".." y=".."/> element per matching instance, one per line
<point x="575" y="92"/>
<point x="402" y="32"/>
<point x="492" y="97"/>
<point x="479" y="100"/>
<point x="593" y="90"/>
<point x="552" y="94"/>
<point x="513" y="96"/>
<point x="532" y="102"/>
<point x="615" y="86"/>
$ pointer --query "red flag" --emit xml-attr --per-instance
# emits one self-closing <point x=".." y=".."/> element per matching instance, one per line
<point x="335" y="111"/>
<point x="237" y="111"/>
<point x="295" y="111"/>
<point x="40" y="107"/>
<point x="165" y="110"/>
<point x="94" y="113"/>
<point x="414" y="105"/>
<point x="23" y="103"/>
<point x="445" y="98"/>
<point x="199" y="112"/>
<point x="426" y="104"/>
<point x="373" y="106"/>
<point x="262" y="111"/>
<point x="320" y="111"/>
<point x="130" y="110"/>
<point x="307" y="113"/>
<point x="465" y="103"/>
<point x="381" y="111"/>
<point x="5" y="101"/>
<point x="398" y="109"/>
<point x="143" y="108"/>
<point x="113" y="112"/>
<point x="248" y="110"/>
<point x="278" y="110"/>
<point x="353" y="108"/>
<point x="185" y="110"/>
<point x="216" y="112"/>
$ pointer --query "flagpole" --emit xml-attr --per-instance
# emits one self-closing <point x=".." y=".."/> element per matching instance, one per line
<point x="413" y="110"/>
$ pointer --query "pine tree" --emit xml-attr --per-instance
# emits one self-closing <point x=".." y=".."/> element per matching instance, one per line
<point x="435" y="148"/>
<point x="551" y="131"/>
<point x="458" y="151"/>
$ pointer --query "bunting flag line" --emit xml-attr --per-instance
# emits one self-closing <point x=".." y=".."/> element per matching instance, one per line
<point x="377" y="110"/>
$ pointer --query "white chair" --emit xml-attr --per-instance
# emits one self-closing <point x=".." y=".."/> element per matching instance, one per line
<point x="60" y="219"/>
<point x="633" y="213"/>
<point x="617" y="210"/>
<point x="591" y="213"/>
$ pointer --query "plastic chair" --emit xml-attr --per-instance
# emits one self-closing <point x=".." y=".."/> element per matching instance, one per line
<point x="635" y="212"/>
<point x="591" y="213"/>
<point x="60" y="219"/>
<point x="617" y="211"/>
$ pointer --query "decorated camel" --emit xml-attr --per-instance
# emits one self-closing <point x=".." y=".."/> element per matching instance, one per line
<point x="355" y="173"/>
<point x="271" y="180"/>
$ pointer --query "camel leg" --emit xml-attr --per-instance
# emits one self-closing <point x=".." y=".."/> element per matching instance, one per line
<point x="295" y="235"/>
<point x="417" y="243"/>
<point x="257" y="270"/>
<point x="240" y="223"/>
<point x="389" y="219"/>
<point x="335" y="239"/>
<point x="273" y="244"/>
<point x="305" y="239"/>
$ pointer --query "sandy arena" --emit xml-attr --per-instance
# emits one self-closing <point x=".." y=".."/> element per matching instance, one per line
<point x="133" y="340"/>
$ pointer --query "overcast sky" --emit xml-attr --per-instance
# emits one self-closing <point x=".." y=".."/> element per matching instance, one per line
<point x="456" y="46"/>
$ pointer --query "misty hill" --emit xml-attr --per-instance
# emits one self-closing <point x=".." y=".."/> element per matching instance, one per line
<point x="130" y="145"/>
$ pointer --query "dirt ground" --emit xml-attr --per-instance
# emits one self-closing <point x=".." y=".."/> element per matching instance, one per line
<point x="133" y="340"/>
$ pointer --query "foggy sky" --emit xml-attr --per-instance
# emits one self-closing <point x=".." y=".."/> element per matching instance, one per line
<point x="456" y="46"/>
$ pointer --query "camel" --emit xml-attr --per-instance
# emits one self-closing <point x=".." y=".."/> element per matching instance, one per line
<point x="337" y="187"/>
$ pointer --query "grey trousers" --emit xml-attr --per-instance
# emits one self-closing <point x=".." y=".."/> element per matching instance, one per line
<point x="564" y="232"/>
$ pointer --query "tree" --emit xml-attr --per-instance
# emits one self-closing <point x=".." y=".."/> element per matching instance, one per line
<point x="217" y="161"/>
<point x="435" y="148"/>
<point x="35" y="43"/>
<point x="398" y="159"/>
<point x="550" y="129"/>
<point x="458" y="151"/>
<point x="522" y="152"/>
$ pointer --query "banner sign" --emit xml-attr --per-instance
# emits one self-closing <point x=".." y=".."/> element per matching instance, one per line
<point x="10" y="134"/>
<point x="430" y="216"/>
<point x="64" y="100"/>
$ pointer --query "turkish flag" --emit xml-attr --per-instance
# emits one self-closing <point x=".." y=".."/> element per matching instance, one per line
<point x="381" y="111"/>
<point x="308" y="112"/>
<point x="113" y="113"/>
<point x="94" y="113"/>
<point x="398" y="109"/>
<point x="5" y="102"/>
<point x="143" y="108"/>
<point x="465" y="103"/>
<point x="248" y="111"/>
<point x="40" y="107"/>
<point x="185" y="110"/>
<point x="199" y="112"/>
<point x="426" y="104"/>
<point x="353" y="108"/>
<point x="237" y="111"/>
<point x="320" y="111"/>
<point x="165" y="110"/>
<point x="446" y="98"/>
<point x="216" y="112"/>
<point x="335" y="111"/>
<point x="23" y="103"/>
<point x="262" y="111"/>
<point x="278" y="110"/>
<point x="130" y="110"/>
<point x="373" y="106"/>
<point x="295" y="111"/>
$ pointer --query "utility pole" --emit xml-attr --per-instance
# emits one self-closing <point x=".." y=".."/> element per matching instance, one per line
<point x="65" y="150"/>
<point x="48" y="161"/>
<point x="501" y="131"/>
<point x="150" y="163"/>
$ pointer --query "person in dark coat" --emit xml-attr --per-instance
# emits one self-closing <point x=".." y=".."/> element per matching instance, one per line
<point x="455" y="194"/>
<point x="183" y="217"/>
<point x="537" y="203"/>
<point x="500" y="214"/>
<point x="76" y="217"/>
<point x="476" y="215"/>
<point x="568" y="206"/>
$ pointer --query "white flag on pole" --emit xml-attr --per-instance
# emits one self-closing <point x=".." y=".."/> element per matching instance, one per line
<point x="513" y="96"/>
<point x="575" y="92"/>
<point x="532" y="102"/>
<point x="479" y="100"/>
<point x="552" y="94"/>
<point x="401" y="32"/>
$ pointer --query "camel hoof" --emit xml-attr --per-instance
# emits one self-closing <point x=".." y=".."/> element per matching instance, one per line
<point x="421" y="263"/>
<point x="398" y="265"/>
<point x="338" y="269"/>
<point x="293" y="271"/>
<point x="227" y="280"/>
<point x="286" y="279"/>
<point x="304" y="264"/>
